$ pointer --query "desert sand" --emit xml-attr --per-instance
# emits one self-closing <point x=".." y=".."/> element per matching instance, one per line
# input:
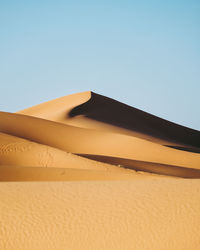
<point x="85" y="171"/>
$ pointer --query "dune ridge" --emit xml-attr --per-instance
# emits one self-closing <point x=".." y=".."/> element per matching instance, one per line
<point x="87" y="141"/>
<point x="85" y="171"/>
<point x="92" y="110"/>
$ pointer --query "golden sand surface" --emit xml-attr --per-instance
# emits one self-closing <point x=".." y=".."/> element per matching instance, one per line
<point x="85" y="171"/>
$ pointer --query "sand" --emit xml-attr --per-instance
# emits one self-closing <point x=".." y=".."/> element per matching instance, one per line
<point x="87" y="172"/>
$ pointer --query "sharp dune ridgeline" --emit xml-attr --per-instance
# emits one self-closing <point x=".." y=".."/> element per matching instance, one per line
<point x="85" y="171"/>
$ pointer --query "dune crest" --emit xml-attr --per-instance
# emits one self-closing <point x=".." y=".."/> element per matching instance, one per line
<point x="85" y="171"/>
<point x="91" y="110"/>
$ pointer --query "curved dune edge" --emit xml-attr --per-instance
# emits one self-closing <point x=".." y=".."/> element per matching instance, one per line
<point x="151" y="214"/>
<point x="91" y="110"/>
<point x="87" y="172"/>
<point x="86" y="141"/>
<point x="15" y="151"/>
<point x="150" y="167"/>
<point x="58" y="108"/>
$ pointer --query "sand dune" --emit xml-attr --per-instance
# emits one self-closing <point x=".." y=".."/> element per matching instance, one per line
<point x="87" y="172"/>
<point x="16" y="151"/>
<point x="91" y="110"/>
<point x="86" y="141"/>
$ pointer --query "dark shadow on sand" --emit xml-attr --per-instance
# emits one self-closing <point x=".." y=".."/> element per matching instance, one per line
<point x="150" y="167"/>
<point x="107" y="110"/>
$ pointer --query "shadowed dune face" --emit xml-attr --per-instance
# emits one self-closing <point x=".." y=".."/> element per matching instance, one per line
<point x="57" y="109"/>
<point x="86" y="141"/>
<point x="87" y="170"/>
<point x="112" y="112"/>
<point x="150" y="167"/>
<point x="91" y="110"/>
<point x="102" y="128"/>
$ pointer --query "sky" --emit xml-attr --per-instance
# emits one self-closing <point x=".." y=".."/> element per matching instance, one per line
<point x="143" y="53"/>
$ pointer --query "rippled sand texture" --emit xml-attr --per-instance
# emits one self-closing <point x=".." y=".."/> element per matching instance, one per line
<point x="87" y="172"/>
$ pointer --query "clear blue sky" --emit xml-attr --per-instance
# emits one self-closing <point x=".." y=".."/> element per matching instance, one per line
<point x="144" y="53"/>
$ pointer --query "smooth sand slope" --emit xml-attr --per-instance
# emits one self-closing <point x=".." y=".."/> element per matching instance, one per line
<point x="91" y="110"/>
<point x="87" y="172"/>
<point x="87" y="141"/>
<point x="16" y="151"/>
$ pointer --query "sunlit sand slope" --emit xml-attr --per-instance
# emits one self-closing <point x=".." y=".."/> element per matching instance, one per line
<point x="21" y="152"/>
<point x="92" y="110"/>
<point x="87" y="141"/>
<point x="87" y="172"/>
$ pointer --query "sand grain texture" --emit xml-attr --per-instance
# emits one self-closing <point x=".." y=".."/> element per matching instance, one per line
<point x="87" y="172"/>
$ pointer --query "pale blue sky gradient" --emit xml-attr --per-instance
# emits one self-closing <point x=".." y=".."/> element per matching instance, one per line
<point x="143" y="53"/>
